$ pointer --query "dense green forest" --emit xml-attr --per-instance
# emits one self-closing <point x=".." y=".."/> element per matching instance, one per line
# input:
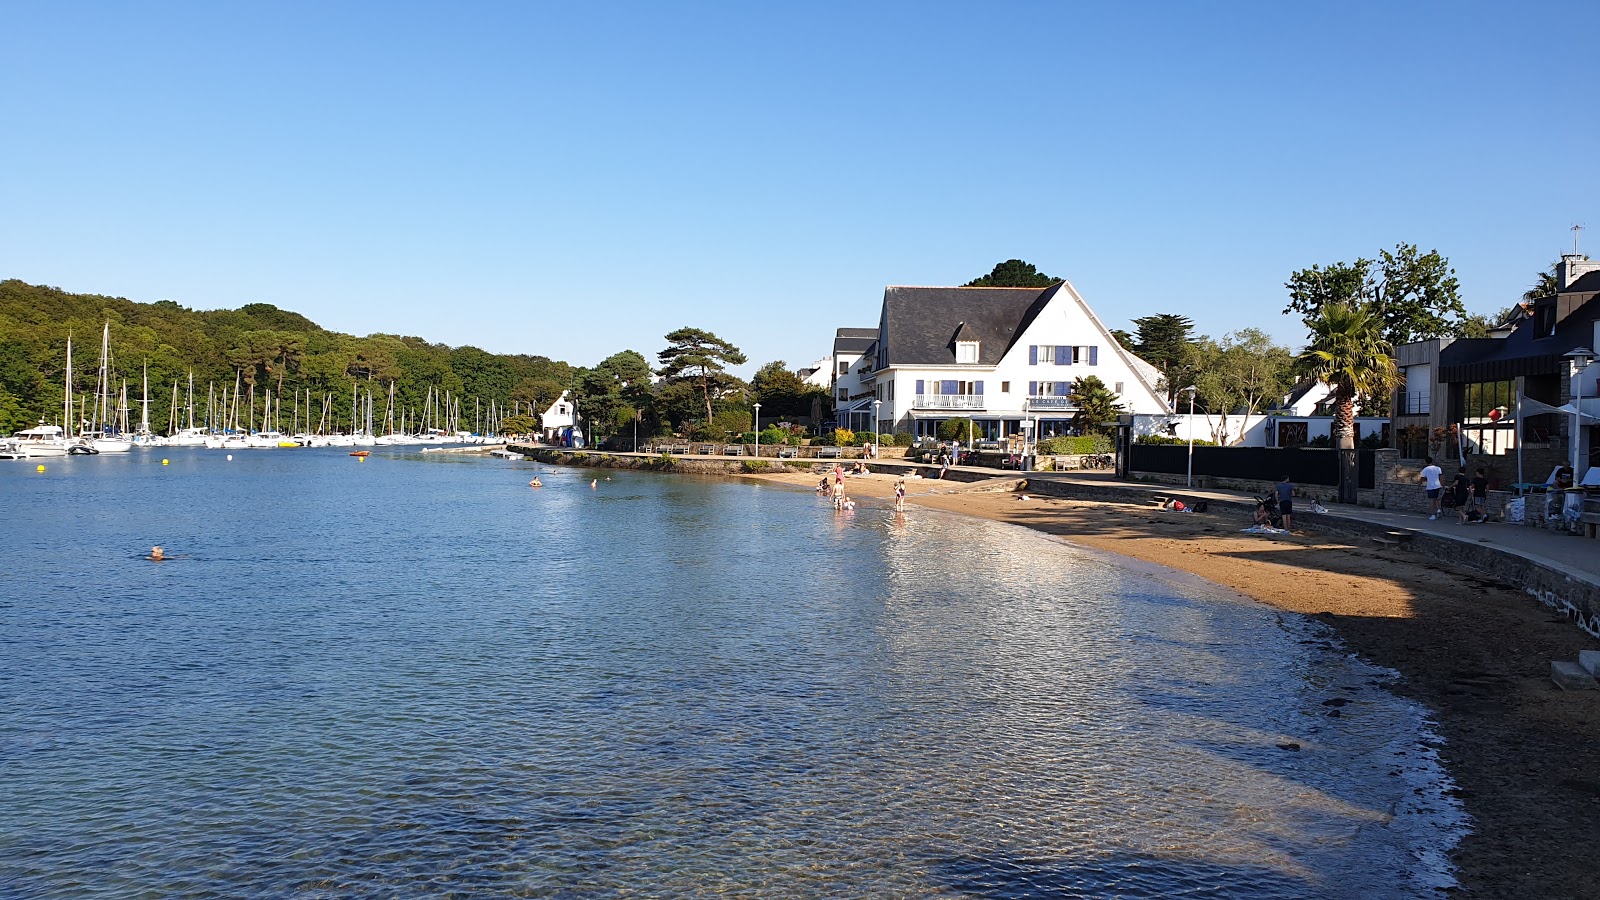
<point x="260" y="345"/>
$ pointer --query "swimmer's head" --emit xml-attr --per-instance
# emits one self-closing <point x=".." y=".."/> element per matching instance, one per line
<point x="157" y="553"/>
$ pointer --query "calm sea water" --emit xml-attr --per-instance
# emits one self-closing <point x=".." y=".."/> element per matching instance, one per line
<point x="416" y="676"/>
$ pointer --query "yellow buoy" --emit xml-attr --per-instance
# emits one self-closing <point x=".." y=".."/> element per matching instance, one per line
<point x="361" y="459"/>
<point x="41" y="468"/>
<point x="163" y="462"/>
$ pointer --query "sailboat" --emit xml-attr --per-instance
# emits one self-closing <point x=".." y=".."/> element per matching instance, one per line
<point x="189" y="435"/>
<point x="102" y="435"/>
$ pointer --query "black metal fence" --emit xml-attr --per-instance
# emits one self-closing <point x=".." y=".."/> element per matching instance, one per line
<point x="1302" y="465"/>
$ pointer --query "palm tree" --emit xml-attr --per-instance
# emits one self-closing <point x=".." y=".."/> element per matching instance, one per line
<point x="1544" y="284"/>
<point x="1096" y="404"/>
<point x="1348" y="352"/>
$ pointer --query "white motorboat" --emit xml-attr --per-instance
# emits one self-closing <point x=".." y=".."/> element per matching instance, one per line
<point x="190" y="437"/>
<point x="41" y="440"/>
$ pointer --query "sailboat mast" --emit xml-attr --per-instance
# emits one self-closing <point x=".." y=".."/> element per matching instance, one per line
<point x="66" y="403"/>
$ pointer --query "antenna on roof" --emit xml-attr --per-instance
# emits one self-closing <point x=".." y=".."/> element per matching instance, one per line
<point x="1575" y="230"/>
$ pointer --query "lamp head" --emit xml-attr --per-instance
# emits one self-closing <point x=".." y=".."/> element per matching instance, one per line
<point x="1581" y="357"/>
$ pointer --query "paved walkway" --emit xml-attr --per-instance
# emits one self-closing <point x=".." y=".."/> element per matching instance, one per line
<point x="1579" y="556"/>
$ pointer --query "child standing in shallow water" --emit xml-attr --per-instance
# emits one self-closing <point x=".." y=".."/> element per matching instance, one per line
<point x="900" y="495"/>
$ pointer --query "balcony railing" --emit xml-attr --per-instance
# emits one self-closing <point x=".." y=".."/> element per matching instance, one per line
<point x="950" y="401"/>
<point x="1050" y="403"/>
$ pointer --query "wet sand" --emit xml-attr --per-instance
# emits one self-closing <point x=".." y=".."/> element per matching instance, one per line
<point x="1525" y="755"/>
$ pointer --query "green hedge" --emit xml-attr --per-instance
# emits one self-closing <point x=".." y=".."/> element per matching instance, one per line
<point x="1163" y="439"/>
<point x="1074" y="446"/>
<point x="904" y="439"/>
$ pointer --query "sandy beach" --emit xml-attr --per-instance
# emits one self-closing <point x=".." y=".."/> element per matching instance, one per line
<point x="1525" y="755"/>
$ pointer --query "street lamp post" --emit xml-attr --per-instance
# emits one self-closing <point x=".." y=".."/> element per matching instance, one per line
<point x="1191" y="389"/>
<point x="758" y="430"/>
<point x="1581" y="358"/>
<point x="875" y="405"/>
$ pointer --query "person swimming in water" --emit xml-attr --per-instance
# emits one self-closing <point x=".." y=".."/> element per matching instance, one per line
<point x="535" y="482"/>
<point x="156" y="554"/>
<point x="595" y="483"/>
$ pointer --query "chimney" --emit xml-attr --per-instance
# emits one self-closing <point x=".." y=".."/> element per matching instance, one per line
<point x="1572" y="267"/>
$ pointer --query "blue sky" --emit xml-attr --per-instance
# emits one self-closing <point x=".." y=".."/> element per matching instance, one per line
<point x="577" y="179"/>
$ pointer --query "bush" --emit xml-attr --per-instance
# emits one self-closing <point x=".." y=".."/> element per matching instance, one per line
<point x="772" y="436"/>
<point x="957" y="429"/>
<point x="703" y="434"/>
<point x="866" y="439"/>
<point x="1320" y="442"/>
<point x="1373" y="441"/>
<point x="755" y="465"/>
<point x="844" y="437"/>
<point x="1075" y="446"/>
<point x="664" y="461"/>
<point x="903" y="439"/>
<point x="822" y="440"/>
<point x="1163" y="439"/>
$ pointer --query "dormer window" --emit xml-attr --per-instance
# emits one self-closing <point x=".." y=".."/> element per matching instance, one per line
<point x="966" y="351"/>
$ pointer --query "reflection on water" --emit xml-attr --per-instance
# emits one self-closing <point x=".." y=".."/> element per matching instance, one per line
<point x="418" y="676"/>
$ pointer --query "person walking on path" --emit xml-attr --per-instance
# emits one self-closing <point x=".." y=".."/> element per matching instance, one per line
<point x="1430" y="483"/>
<point x="1480" y="497"/>
<point x="1461" y="493"/>
<point x="1285" y="489"/>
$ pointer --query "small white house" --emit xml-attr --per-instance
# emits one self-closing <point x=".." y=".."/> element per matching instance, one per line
<point x="560" y="423"/>
<point x="1003" y="357"/>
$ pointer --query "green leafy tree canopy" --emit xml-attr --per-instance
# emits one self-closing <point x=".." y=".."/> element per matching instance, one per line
<point x="1413" y="295"/>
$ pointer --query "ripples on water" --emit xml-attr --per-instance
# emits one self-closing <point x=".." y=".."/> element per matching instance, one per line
<point x="418" y="677"/>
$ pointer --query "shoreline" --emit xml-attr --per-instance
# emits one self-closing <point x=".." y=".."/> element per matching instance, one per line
<point x="1525" y="755"/>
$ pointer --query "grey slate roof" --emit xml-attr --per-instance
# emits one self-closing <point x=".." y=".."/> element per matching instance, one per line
<point x="921" y="324"/>
<point x="854" y="340"/>
<point x="1500" y="359"/>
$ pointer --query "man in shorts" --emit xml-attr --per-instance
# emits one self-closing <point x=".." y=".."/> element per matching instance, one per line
<point x="1480" y="497"/>
<point x="1430" y="483"/>
<point x="1285" y="489"/>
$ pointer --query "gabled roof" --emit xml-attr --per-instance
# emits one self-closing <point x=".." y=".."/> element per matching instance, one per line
<point x="922" y="324"/>
<point x="854" y="340"/>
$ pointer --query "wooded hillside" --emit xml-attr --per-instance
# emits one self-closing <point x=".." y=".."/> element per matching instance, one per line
<point x="266" y="346"/>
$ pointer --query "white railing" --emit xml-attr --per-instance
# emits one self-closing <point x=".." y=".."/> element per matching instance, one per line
<point x="950" y="401"/>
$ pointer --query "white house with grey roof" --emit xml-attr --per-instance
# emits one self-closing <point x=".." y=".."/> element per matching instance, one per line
<point x="999" y="356"/>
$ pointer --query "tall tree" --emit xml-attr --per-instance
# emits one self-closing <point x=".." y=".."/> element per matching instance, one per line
<point x="697" y="355"/>
<point x="1242" y="373"/>
<point x="613" y="392"/>
<point x="781" y="392"/>
<point x="1165" y="341"/>
<point x="1013" y="273"/>
<point x="1349" y="353"/>
<point x="1413" y="295"/>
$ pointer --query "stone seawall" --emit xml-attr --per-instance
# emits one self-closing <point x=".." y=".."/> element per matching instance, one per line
<point x="727" y="465"/>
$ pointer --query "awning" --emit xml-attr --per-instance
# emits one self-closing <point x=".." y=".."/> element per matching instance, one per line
<point x="1590" y="414"/>
<point x="854" y="406"/>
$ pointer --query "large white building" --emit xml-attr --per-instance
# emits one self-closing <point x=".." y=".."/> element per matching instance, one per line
<point x="999" y="356"/>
